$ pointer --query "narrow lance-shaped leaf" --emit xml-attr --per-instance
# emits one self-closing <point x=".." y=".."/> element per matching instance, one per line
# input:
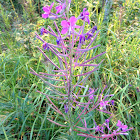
<point x="57" y="28"/>
<point x="63" y="55"/>
<point x="49" y="44"/>
<point x="54" y="105"/>
<point x="46" y="77"/>
<point x="96" y="105"/>
<point x="89" y="44"/>
<point x="87" y="65"/>
<point x="59" y="70"/>
<point x="51" y="33"/>
<point x="53" y="74"/>
<point x="57" y="55"/>
<point x="85" y="50"/>
<point x="76" y="65"/>
<point x="86" y="135"/>
<point x="57" y="123"/>
<point x="80" y="82"/>
<point x="57" y="92"/>
<point x="51" y="30"/>
<point x="48" y="58"/>
<point x="84" y="109"/>
<point x="92" y="40"/>
<point x="64" y="98"/>
<point x="88" y="94"/>
<point x="94" y="57"/>
<point x="104" y="111"/>
<point x="86" y="73"/>
<point x="51" y="85"/>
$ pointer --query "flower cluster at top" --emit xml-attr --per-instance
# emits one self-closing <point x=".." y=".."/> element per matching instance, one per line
<point x="71" y="54"/>
<point x="68" y="25"/>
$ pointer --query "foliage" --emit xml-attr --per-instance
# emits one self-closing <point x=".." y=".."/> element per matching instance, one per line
<point x="23" y="112"/>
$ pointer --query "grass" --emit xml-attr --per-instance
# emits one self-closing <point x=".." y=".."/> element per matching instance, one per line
<point x="23" y="111"/>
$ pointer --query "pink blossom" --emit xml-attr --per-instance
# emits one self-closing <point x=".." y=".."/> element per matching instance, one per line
<point x="43" y="30"/>
<point x="91" y="90"/>
<point x="122" y="126"/>
<point x="70" y="24"/>
<point x="66" y="108"/>
<point x="47" y="10"/>
<point x="45" y="45"/>
<point x="82" y="38"/>
<point x="60" y="7"/>
<point x="85" y="15"/>
<point x="103" y="104"/>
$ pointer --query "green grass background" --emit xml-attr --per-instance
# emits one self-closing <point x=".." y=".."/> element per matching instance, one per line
<point x="23" y="111"/>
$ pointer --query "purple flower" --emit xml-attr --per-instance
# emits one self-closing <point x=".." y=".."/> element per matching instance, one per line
<point x="94" y="29"/>
<point x="47" y="10"/>
<point x="107" y="121"/>
<point x="60" y="8"/>
<point x="122" y="126"/>
<point x="66" y="25"/>
<point x="103" y="104"/>
<point x="45" y="45"/>
<point x="99" y="129"/>
<point x="85" y="15"/>
<point x="66" y="108"/>
<point x="58" y="40"/>
<point x="43" y="30"/>
<point x="90" y="89"/>
<point x="89" y="35"/>
<point x="91" y="97"/>
<point x="112" y="102"/>
<point x="82" y="39"/>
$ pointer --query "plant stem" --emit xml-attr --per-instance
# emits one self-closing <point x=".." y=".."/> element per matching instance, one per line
<point x="70" y="88"/>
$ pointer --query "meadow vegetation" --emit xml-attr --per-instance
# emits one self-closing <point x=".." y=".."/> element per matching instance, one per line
<point x="23" y="111"/>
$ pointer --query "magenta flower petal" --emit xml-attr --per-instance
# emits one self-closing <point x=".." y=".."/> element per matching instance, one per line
<point x="77" y="26"/>
<point x="91" y="97"/>
<point x="64" y="30"/>
<point x="85" y="16"/>
<point x="58" y="8"/>
<point x="87" y="13"/>
<point x="124" y="127"/>
<point x="46" y="9"/>
<point x="72" y="20"/>
<point x="69" y="25"/>
<point x="51" y="6"/>
<point x="65" y="24"/>
<point x="84" y="10"/>
<point x="45" y="15"/>
<point x="119" y="123"/>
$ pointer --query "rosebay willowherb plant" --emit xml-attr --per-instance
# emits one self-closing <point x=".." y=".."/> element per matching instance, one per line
<point x="80" y="104"/>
